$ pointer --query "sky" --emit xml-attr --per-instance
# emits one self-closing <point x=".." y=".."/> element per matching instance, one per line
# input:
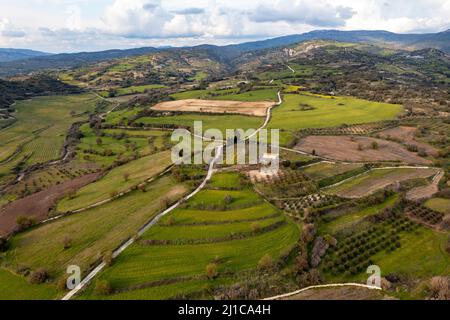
<point x="92" y="25"/>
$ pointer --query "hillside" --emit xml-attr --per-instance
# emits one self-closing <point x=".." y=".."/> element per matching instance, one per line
<point x="65" y="60"/>
<point x="7" y="54"/>
<point x="225" y="54"/>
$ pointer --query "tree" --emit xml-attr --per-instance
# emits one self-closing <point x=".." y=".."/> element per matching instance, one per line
<point x="39" y="276"/>
<point x="375" y="145"/>
<point x="67" y="242"/>
<point x="212" y="271"/>
<point x="24" y="222"/>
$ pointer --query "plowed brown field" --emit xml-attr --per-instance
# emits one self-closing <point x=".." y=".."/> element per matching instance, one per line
<point x="258" y="109"/>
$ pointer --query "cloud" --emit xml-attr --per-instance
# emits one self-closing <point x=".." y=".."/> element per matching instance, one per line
<point x="315" y="13"/>
<point x="189" y="11"/>
<point x="73" y="25"/>
<point x="8" y="30"/>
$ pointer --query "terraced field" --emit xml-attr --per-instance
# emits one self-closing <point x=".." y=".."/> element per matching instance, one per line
<point x="117" y="181"/>
<point x="232" y="229"/>
<point x="92" y="233"/>
<point x="14" y="287"/>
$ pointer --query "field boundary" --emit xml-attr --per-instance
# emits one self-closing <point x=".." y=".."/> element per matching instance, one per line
<point x="146" y="227"/>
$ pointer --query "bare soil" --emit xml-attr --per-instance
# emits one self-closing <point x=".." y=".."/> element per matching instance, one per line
<point x="258" y="109"/>
<point x="425" y="192"/>
<point x="38" y="205"/>
<point x="344" y="293"/>
<point x="407" y="136"/>
<point x="369" y="186"/>
<point x="358" y="149"/>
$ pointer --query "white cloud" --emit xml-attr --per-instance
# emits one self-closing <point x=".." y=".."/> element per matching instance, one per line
<point x="315" y="13"/>
<point x="8" y="30"/>
<point x="72" y="25"/>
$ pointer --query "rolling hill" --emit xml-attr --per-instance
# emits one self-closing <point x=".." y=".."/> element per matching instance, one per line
<point x="7" y="54"/>
<point x="226" y="54"/>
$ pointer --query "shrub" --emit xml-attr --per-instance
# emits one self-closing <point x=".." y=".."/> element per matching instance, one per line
<point x="108" y="258"/>
<point x="375" y="145"/>
<point x="266" y="262"/>
<point x="39" y="276"/>
<point x="228" y="199"/>
<point x="67" y="242"/>
<point x="24" y="222"/>
<point x="212" y="271"/>
<point x="126" y="176"/>
<point x="256" y="227"/>
<point x="103" y="288"/>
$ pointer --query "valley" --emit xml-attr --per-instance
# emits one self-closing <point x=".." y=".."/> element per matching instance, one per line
<point x="87" y="177"/>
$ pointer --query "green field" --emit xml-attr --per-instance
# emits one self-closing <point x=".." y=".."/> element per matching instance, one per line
<point x="439" y="204"/>
<point x="15" y="287"/>
<point x="143" y="263"/>
<point x="41" y="127"/>
<point x="113" y="145"/>
<point x="133" y="90"/>
<point x="325" y="170"/>
<point x="327" y="112"/>
<point x="229" y="94"/>
<point x="347" y="220"/>
<point x="221" y="122"/>
<point x="115" y="181"/>
<point x="92" y="232"/>
<point x="225" y="180"/>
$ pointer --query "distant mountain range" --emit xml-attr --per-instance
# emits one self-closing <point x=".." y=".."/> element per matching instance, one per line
<point x="439" y="40"/>
<point x="7" y="54"/>
<point x="20" y="63"/>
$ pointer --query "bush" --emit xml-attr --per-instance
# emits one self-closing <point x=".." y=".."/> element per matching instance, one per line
<point x="39" y="276"/>
<point x="212" y="271"/>
<point x="256" y="227"/>
<point x="375" y="145"/>
<point x="67" y="242"/>
<point x="108" y="259"/>
<point x="24" y="222"/>
<point x="228" y="199"/>
<point x="103" y="288"/>
<point x="266" y="262"/>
